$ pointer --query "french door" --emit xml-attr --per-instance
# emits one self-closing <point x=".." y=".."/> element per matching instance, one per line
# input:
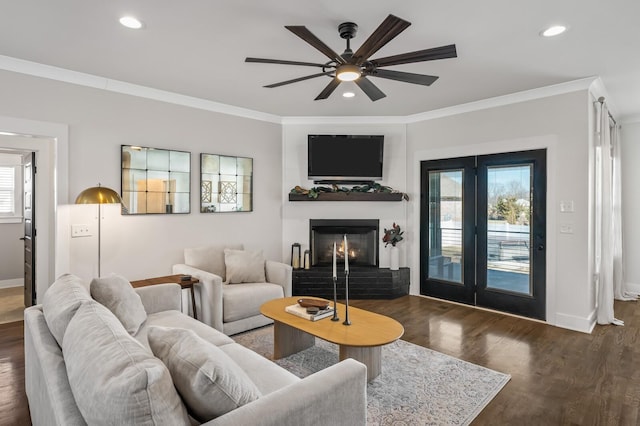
<point x="482" y="238"/>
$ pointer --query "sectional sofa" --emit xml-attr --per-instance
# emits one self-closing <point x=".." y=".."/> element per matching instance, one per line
<point x="104" y="353"/>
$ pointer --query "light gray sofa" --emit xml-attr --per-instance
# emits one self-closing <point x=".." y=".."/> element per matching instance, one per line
<point x="233" y="285"/>
<point x="71" y="341"/>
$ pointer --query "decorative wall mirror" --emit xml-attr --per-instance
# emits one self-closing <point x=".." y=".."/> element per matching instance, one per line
<point x="226" y="184"/>
<point x="155" y="180"/>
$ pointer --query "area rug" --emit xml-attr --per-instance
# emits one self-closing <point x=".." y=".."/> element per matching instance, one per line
<point x="417" y="386"/>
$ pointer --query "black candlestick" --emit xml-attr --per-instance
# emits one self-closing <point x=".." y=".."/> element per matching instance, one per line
<point x="335" y="300"/>
<point x="346" y="309"/>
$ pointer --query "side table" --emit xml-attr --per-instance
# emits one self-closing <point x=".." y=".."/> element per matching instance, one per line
<point x="174" y="279"/>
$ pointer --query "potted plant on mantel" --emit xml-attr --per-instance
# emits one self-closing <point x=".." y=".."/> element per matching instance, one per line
<point x="393" y="236"/>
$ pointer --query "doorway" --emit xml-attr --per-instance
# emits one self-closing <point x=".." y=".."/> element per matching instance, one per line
<point x="483" y="231"/>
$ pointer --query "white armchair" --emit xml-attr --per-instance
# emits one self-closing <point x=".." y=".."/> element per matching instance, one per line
<point x="234" y="308"/>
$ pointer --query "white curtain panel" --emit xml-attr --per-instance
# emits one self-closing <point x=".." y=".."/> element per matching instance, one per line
<point x="608" y="223"/>
<point x="621" y="290"/>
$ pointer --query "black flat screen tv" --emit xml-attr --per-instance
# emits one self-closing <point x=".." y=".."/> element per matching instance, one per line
<point x="345" y="158"/>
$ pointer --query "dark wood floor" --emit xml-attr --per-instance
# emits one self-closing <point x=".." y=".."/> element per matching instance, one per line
<point x="559" y="377"/>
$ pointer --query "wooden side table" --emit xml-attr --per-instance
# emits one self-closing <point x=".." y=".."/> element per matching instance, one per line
<point x="173" y="279"/>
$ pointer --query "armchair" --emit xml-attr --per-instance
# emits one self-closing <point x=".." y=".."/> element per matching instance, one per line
<point x="234" y="308"/>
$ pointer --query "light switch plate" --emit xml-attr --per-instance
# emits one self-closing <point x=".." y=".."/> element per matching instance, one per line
<point x="566" y="206"/>
<point x="566" y="228"/>
<point x="78" y="231"/>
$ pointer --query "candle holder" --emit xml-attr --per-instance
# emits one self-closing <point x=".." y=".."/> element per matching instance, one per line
<point x="346" y="309"/>
<point x="335" y="300"/>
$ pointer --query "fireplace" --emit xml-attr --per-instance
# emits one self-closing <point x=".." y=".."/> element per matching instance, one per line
<point x="362" y="237"/>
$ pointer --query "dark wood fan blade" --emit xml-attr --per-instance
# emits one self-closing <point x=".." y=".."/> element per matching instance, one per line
<point x="327" y="91"/>
<point x="387" y="31"/>
<point x="283" y="62"/>
<point x="370" y="89"/>
<point x="406" y="77"/>
<point x="308" y="36"/>
<point x="295" y="80"/>
<point x="442" y="52"/>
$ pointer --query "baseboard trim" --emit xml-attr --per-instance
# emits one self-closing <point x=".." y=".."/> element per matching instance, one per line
<point x="635" y="288"/>
<point x="572" y="322"/>
<point x="14" y="282"/>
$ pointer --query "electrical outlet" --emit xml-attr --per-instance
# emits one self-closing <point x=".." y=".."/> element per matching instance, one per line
<point x="80" y="231"/>
<point x="566" y="206"/>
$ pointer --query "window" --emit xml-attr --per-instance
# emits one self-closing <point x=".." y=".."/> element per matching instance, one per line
<point x="10" y="188"/>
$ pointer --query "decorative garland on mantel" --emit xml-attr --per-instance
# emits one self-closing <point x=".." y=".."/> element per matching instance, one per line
<point x="367" y="188"/>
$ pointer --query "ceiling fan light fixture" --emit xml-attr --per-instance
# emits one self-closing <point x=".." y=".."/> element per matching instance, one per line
<point x="348" y="72"/>
<point x="348" y="95"/>
<point x="131" y="22"/>
<point x="553" y="31"/>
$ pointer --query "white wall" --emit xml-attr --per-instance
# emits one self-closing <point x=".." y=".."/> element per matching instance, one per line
<point x="11" y="251"/>
<point x="99" y="122"/>
<point x="561" y="125"/>
<point x="630" y="148"/>
<point x="296" y="215"/>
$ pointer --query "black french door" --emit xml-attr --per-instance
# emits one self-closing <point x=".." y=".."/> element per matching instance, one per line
<point x="483" y="231"/>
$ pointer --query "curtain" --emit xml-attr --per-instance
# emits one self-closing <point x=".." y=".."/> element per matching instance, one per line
<point x="609" y="262"/>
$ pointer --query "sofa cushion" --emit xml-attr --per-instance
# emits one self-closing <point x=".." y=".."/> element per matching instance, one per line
<point x="244" y="301"/>
<point x="61" y="301"/>
<point x="209" y="258"/>
<point x="114" y="379"/>
<point x="210" y="383"/>
<point x="244" y="266"/>
<point x="115" y="292"/>
<point x="177" y="319"/>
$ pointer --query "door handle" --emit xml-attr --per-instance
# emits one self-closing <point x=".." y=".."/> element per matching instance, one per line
<point x="540" y="247"/>
<point x="22" y="238"/>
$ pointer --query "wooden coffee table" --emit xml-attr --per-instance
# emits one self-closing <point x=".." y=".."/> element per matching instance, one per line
<point x="362" y="340"/>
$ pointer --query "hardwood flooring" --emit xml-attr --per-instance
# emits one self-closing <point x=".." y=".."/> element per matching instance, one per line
<point x="558" y="376"/>
<point x="11" y="304"/>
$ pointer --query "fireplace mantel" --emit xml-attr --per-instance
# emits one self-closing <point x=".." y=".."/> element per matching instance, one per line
<point x="350" y="196"/>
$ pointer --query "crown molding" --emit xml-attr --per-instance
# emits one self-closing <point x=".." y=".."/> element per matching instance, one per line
<point x="512" y="98"/>
<point x="594" y="84"/>
<point x="88" y="80"/>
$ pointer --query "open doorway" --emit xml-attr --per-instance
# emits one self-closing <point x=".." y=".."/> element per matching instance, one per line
<point x="13" y="244"/>
<point x="50" y="143"/>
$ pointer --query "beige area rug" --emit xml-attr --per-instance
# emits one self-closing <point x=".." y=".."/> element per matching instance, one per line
<point x="417" y="386"/>
<point x="11" y="304"/>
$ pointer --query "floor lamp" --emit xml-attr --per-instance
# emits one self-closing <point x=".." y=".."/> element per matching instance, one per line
<point x="98" y="195"/>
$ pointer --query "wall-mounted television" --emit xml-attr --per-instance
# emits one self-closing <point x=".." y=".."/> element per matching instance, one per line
<point x="345" y="158"/>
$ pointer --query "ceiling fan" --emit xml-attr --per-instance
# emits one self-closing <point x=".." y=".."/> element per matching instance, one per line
<point x="357" y="67"/>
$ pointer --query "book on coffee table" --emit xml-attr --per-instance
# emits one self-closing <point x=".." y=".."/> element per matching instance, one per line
<point x="302" y="312"/>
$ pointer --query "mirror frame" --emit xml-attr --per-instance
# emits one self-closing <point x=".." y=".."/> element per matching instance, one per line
<point x="169" y="201"/>
<point x="214" y="191"/>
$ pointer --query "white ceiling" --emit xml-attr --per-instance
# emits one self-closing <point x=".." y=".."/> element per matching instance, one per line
<point x="197" y="48"/>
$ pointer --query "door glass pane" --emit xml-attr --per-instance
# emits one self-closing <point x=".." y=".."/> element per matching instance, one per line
<point x="509" y="198"/>
<point x="445" y="225"/>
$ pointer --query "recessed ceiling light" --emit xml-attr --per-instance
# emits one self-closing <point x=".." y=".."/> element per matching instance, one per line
<point x="553" y="31"/>
<point x="131" y="22"/>
<point x="348" y="94"/>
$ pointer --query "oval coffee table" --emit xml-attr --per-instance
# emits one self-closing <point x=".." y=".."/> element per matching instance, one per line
<point x="362" y="340"/>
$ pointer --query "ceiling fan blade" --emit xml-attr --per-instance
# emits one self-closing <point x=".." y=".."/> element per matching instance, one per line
<point x="406" y="77"/>
<point x="327" y="91"/>
<point x="314" y="41"/>
<point x="283" y="62"/>
<point x="370" y="89"/>
<point x="442" y="52"/>
<point x="387" y="31"/>
<point x="295" y="80"/>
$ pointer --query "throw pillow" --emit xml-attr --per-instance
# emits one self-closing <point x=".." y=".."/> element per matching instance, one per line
<point x="209" y="258"/>
<point x="244" y="266"/>
<point x="115" y="292"/>
<point x="61" y="301"/>
<point x="209" y="381"/>
<point x="113" y="378"/>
